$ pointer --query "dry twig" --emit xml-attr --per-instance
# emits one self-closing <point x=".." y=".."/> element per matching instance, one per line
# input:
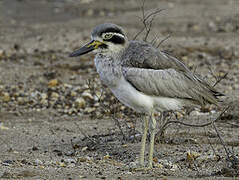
<point x="147" y="20"/>
<point x="162" y="129"/>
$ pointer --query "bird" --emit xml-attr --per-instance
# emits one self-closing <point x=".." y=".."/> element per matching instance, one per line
<point x="145" y="79"/>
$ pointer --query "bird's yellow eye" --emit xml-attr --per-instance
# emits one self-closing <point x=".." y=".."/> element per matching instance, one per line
<point x="107" y="36"/>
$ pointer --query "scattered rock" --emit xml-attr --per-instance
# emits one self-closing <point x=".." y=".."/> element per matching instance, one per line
<point x="53" y="83"/>
<point x="80" y="103"/>
<point x="38" y="162"/>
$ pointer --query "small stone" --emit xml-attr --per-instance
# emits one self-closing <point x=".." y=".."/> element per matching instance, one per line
<point x="167" y="165"/>
<point x="80" y="103"/>
<point x="86" y="94"/>
<point x="196" y="28"/>
<point x="6" y="97"/>
<point x="96" y="104"/>
<point x="38" y="162"/>
<point x="2" y="53"/>
<point x="61" y="164"/>
<point x="84" y="148"/>
<point x="73" y="77"/>
<point x="179" y="115"/>
<point x="212" y="26"/>
<point x="20" y="100"/>
<point x="90" y="110"/>
<point x="7" y="162"/>
<point x="133" y="165"/>
<point x="125" y="145"/>
<point x="185" y="58"/>
<point x="2" y="127"/>
<point x="39" y="38"/>
<point x="44" y="102"/>
<point x="191" y="156"/>
<point x="44" y="96"/>
<point x="54" y="95"/>
<point x="67" y="86"/>
<point x="70" y="160"/>
<point x="107" y="157"/>
<point x="53" y="83"/>
<point x="82" y="159"/>
<point x="73" y="94"/>
<point x="98" y="96"/>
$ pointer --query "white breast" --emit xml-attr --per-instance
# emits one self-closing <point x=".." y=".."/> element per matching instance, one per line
<point x="140" y="102"/>
<point x="129" y="96"/>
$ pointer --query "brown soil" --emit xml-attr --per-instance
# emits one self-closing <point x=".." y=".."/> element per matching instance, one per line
<point x="52" y="123"/>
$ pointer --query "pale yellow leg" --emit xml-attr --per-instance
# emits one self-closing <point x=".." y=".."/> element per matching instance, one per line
<point x="143" y="140"/>
<point x="152" y="135"/>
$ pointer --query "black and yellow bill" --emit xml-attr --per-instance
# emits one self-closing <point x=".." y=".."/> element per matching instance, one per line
<point x="94" y="44"/>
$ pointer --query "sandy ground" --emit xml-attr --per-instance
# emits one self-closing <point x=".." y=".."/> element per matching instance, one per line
<point x="53" y="124"/>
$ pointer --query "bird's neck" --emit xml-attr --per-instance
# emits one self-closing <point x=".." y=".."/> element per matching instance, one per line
<point x="115" y="53"/>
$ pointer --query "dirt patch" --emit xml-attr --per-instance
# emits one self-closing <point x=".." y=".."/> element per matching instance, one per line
<point x="58" y="122"/>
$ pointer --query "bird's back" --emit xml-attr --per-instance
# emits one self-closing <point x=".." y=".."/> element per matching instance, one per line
<point x="156" y="73"/>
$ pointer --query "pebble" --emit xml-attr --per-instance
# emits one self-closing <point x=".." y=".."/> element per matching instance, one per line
<point x="191" y="155"/>
<point x="44" y="96"/>
<point x="73" y="94"/>
<point x="133" y="165"/>
<point x="38" y="162"/>
<point x="197" y="113"/>
<point x="6" y="97"/>
<point x="20" y="100"/>
<point x="53" y="83"/>
<point x="54" y="95"/>
<point x="90" y="110"/>
<point x="67" y="86"/>
<point x="86" y="94"/>
<point x="7" y="162"/>
<point x="2" y="53"/>
<point x="66" y="99"/>
<point x="168" y="165"/>
<point x="70" y="160"/>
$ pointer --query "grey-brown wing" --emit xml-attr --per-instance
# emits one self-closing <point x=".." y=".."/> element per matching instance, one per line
<point x="169" y="83"/>
<point x="143" y="55"/>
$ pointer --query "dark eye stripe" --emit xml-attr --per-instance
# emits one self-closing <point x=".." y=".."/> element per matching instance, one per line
<point x="116" y="39"/>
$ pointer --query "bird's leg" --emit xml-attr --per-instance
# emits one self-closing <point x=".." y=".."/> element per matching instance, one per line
<point x="152" y="135"/>
<point x="143" y="140"/>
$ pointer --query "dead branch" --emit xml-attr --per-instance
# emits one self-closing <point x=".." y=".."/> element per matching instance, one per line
<point x="119" y="126"/>
<point x="86" y="136"/>
<point x="154" y="40"/>
<point x="209" y="142"/>
<point x="147" y="20"/>
<point x="217" y="78"/>
<point x="220" y="78"/>
<point x="191" y="125"/>
<point x="222" y="142"/>
<point x="163" y="40"/>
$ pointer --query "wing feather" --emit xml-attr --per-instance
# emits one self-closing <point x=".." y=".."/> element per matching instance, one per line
<point x="156" y="73"/>
<point x="168" y="83"/>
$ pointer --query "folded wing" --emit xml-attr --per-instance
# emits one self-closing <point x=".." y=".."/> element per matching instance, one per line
<point x="169" y="83"/>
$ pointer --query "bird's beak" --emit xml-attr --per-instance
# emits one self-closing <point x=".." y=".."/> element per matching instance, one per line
<point x="94" y="44"/>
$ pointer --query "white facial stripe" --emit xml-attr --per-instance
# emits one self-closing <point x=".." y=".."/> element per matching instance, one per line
<point x="118" y="34"/>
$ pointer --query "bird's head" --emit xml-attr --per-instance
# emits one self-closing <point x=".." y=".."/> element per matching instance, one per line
<point x="106" y="39"/>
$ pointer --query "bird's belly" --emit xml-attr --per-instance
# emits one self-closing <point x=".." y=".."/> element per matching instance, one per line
<point x="167" y="104"/>
<point x="141" y="102"/>
<point x="132" y="98"/>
